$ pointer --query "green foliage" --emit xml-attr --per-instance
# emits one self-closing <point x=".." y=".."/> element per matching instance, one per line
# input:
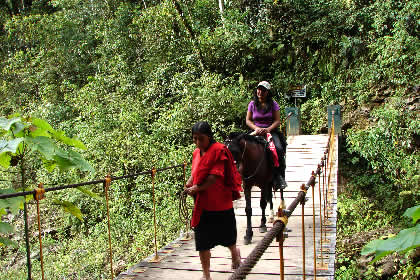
<point x="22" y="137"/>
<point x="25" y="139"/>
<point x="358" y="214"/>
<point x="390" y="149"/>
<point x="130" y="79"/>
<point x="403" y="242"/>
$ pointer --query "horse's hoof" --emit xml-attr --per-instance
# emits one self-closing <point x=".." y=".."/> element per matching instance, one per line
<point x="263" y="229"/>
<point x="247" y="240"/>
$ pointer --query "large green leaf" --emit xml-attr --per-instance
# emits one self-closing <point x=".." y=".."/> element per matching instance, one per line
<point x="72" y="159"/>
<point x="10" y="145"/>
<point x="5" y="124"/>
<point x="42" y="124"/>
<point x="6" y="228"/>
<point x="413" y="212"/>
<point x="14" y="204"/>
<point x="58" y="135"/>
<point x="70" y="208"/>
<point x="7" y="242"/>
<point x="36" y="131"/>
<point x="380" y="248"/>
<point x="44" y="145"/>
<point x="406" y="240"/>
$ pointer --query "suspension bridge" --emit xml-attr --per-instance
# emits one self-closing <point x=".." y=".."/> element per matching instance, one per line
<point x="299" y="244"/>
<point x="307" y="235"/>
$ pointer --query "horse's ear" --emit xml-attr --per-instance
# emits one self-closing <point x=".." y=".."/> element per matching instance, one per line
<point x="223" y="134"/>
<point x="235" y="134"/>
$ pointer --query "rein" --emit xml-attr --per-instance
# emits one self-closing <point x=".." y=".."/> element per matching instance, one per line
<point x="256" y="169"/>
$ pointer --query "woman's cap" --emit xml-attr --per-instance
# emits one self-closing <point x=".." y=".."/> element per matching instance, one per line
<point x="265" y="85"/>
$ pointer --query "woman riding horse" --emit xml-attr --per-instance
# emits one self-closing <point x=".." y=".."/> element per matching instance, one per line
<point x="263" y="117"/>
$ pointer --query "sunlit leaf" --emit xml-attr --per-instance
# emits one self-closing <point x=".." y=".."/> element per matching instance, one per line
<point x="10" y="145"/>
<point x="5" y="124"/>
<point x="5" y="160"/>
<point x="42" y="124"/>
<point x="59" y="135"/>
<point x="413" y="212"/>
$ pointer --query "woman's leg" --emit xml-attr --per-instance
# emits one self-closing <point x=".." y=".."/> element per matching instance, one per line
<point x="205" y="263"/>
<point x="236" y="256"/>
<point x="281" y="170"/>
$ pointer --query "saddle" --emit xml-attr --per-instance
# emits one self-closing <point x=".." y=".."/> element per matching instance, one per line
<point x="269" y="143"/>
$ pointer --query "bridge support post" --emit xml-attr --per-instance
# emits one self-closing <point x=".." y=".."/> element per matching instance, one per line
<point x="107" y="184"/>
<point x="292" y="121"/>
<point x="39" y="194"/>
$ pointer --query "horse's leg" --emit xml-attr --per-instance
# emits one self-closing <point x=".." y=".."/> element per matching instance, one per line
<point x="263" y="205"/>
<point x="248" y="211"/>
<point x="271" y="218"/>
<point x="283" y="203"/>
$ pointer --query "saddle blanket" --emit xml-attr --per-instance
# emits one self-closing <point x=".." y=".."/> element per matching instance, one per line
<point x="272" y="149"/>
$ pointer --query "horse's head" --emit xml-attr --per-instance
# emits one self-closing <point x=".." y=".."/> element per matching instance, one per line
<point x="232" y="143"/>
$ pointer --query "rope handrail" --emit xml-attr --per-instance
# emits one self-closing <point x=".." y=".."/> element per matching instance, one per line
<point x="252" y="259"/>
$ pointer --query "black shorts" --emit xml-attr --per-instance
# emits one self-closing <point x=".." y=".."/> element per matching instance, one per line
<point x="215" y="228"/>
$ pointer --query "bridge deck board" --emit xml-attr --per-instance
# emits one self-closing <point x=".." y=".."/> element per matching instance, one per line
<point x="303" y="155"/>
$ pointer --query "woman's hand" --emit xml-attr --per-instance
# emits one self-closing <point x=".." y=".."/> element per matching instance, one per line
<point x="191" y="190"/>
<point x="261" y="131"/>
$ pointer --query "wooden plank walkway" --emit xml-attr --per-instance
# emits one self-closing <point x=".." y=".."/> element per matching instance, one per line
<point x="181" y="261"/>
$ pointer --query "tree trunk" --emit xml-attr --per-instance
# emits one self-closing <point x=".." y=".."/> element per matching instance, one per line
<point x="190" y="31"/>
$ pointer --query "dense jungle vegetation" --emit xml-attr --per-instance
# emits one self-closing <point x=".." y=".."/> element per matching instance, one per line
<point x="129" y="78"/>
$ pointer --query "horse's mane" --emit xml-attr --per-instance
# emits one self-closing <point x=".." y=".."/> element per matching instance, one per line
<point x="237" y="136"/>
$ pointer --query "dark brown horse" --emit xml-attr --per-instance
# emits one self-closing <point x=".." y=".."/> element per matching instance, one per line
<point x="255" y="164"/>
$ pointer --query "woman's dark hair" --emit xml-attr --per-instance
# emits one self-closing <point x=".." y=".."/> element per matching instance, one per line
<point x="203" y="128"/>
<point x="269" y="100"/>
